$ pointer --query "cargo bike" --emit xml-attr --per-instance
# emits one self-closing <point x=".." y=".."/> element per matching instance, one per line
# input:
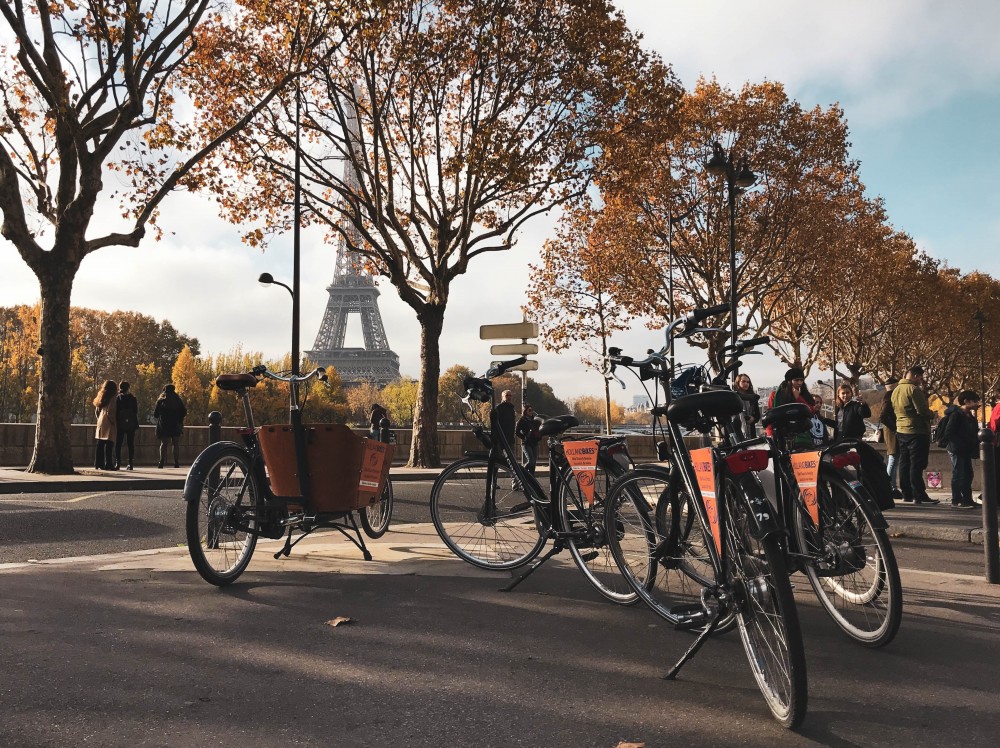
<point x="281" y="480"/>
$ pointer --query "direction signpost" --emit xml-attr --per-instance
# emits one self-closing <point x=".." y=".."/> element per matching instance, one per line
<point x="515" y="330"/>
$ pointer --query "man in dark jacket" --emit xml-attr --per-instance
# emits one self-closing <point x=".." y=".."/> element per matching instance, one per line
<point x="506" y="417"/>
<point x="962" y="433"/>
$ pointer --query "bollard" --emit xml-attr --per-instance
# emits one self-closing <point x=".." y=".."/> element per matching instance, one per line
<point x="214" y="427"/>
<point x="384" y="434"/>
<point x="990" y="541"/>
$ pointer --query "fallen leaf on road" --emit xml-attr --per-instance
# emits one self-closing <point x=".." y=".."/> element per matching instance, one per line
<point x="631" y="745"/>
<point x="339" y="620"/>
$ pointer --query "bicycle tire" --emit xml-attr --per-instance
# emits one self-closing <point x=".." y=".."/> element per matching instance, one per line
<point x="222" y="522"/>
<point x="592" y="554"/>
<point x="865" y="599"/>
<point x="646" y="548"/>
<point x="375" y="517"/>
<point x="765" y="610"/>
<point x="458" y="497"/>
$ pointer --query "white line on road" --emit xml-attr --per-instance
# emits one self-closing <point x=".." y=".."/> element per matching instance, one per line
<point x="28" y="500"/>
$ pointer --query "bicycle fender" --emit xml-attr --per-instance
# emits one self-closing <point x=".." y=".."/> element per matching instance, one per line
<point x="199" y="468"/>
<point x="877" y="519"/>
<point x="763" y="519"/>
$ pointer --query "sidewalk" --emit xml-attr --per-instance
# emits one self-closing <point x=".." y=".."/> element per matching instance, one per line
<point x="938" y="522"/>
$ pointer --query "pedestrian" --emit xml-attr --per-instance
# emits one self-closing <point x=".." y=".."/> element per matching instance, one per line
<point x="375" y="418"/>
<point x="746" y="422"/>
<point x="506" y="418"/>
<point x="962" y="433"/>
<point x="793" y="390"/>
<point x="169" y="413"/>
<point x="887" y="422"/>
<point x="851" y="413"/>
<point x="527" y="432"/>
<point x="913" y="435"/>
<point x="105" y="411"/>
<point x="127" y="416"/>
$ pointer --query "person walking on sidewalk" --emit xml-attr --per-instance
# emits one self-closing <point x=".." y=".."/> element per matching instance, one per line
<point x="888" y="424"/>
<point x="913" y="435"/>
<point x="127" y="415"/>
<point x="169" y="413"/>
<point x="527" y="432"/>
<point x="962" y="433"/>
<point x="104" y="409"/>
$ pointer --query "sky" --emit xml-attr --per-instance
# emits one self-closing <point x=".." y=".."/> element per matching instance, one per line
<point x="919" y="83"/>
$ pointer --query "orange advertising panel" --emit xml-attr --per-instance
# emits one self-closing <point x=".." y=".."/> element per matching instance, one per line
<point x="582" y="458"/>
<point x="374" y="466"/>
<point x="703" y="461"/>
<point x="805" y="465"/>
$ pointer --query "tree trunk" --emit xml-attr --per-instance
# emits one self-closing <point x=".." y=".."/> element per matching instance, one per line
<point x="53" y="453"/>
<point x="424" y="450"/>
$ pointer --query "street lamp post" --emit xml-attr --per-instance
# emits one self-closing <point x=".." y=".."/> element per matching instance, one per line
<point x="980" y="319"/>
<point x="738" y="178"/>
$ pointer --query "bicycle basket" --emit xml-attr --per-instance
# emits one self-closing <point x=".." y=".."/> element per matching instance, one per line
<point x="688" y="380"/>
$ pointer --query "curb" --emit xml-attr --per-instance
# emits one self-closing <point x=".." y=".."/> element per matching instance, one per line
<point x="936" y="532"/>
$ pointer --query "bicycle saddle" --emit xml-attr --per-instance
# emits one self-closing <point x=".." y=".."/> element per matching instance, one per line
<point x="717" y="404"/>
<point x="553" y="426"/>
<point x="795" y="416"/>
<point x="232" y="382"/>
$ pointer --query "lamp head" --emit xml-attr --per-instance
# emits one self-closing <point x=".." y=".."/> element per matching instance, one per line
<point x="265" y="279"/>
<point x="717" y="164"/>
<point x="744" y="177"/>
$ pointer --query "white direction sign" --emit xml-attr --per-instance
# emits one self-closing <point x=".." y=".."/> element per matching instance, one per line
<point x="508" y="349"/>
<point x="513" y="330"/>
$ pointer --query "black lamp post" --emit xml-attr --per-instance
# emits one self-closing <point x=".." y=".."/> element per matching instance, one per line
<point x="980" y="318"/>
<point x="738" y="177"/>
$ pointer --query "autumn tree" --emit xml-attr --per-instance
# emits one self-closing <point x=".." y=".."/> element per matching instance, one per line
<point x="803" y="175"/>
<point x="570" y="294"/>
<point x="93" y="93"/>
<point x="441" y="129"/>
<point x="360" y="399"/>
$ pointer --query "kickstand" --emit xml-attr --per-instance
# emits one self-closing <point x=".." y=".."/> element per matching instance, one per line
<point x="693" y="649"/>
<point x="556" y="548"/>
<point x="359" y="541"/>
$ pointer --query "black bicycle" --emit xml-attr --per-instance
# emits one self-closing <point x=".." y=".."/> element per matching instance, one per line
<point x="699" y="542"/>
<point x="281" y="479"/>
<point x="494" y="514"/>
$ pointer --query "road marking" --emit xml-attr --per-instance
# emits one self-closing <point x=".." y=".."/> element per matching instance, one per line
<point x="27" y="500"/>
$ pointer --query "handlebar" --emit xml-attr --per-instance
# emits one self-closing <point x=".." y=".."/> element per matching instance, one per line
<point x="500" y="367"/>
<point x="262" y="371"/>
<point x="745" y="345"/>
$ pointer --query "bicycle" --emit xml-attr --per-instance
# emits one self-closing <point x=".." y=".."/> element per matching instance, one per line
<point x="281" y="479"/>
<point x="839" y="539"/>
<point x="494" y="514"/>
<point x="700" y="544"/>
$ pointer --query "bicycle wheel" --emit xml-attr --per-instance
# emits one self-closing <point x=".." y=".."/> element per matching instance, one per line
<point x="850" y="564"/>
<point x="765" y="610"/>
<point x="375" y="517"/>
<point x="588" y="543"/>
<point x="646" y="545"/>
<point x="222" y="522"/>
<point x="504" y="538"/>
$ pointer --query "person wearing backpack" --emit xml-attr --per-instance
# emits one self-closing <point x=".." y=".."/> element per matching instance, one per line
<point x="961" y="436"/>
<point x="913" y="435"/>
<point x="887" y="421"/>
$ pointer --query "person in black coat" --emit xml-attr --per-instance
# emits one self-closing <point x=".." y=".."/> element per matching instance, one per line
<point x="506" y="417"/>
<point x="128" y="423"/>
<point x="747" y="421"/>
<point x="169" y="413"/>
<point x="962" y="433"/>
<point x="527" y="432"/>
<point x="851" y="413"/>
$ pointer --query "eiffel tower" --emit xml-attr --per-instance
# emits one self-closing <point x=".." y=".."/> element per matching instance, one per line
<point x="353" y="292"/>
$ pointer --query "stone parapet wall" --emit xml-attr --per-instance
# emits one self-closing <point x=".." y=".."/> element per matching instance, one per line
<point x="17" y="442"/>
